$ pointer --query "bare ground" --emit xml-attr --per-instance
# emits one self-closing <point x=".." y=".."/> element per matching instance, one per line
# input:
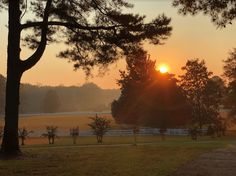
<point x="221" y="162"/>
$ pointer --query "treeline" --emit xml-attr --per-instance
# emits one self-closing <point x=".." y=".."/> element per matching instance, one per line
<point x="193" y="100"/>
<point x="47" y="99"/>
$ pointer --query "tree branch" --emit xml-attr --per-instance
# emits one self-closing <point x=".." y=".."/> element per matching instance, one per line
<point x="68" y="25"/>
<point x="34" y="58"/>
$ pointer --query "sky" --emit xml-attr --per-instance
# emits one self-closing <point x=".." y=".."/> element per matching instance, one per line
<point x="192" y="37"/>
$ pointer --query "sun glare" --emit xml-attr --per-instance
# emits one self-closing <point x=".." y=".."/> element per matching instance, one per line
<point x="163" y="68"/>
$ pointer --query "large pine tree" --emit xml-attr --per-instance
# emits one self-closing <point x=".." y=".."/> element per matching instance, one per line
<point x="95" y="32"/>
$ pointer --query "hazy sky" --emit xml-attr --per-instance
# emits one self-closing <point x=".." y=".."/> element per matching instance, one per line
<point x="192" y="37"/>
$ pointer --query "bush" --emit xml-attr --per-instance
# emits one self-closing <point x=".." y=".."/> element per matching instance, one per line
<point x="23" y="133"/>
<point x="51" y="134"/>
<point x="100" y="126"/>
<point x="74" y="132"/>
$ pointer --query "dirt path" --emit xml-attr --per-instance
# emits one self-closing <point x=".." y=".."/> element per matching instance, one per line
<point x="221" y="162"/>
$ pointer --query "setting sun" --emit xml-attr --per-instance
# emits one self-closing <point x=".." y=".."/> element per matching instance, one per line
<point x="163" y="68"/>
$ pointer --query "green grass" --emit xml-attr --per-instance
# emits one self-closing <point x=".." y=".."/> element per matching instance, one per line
<point x="161" y="158"/>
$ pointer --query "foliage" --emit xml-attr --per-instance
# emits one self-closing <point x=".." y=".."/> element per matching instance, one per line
<point x="99" y="125"/>
<point x="204" y="94"/>
<point x="94" y="31"/>
<point x="222" y="12"/>
<point x="218" y="128"/>
<point x="149" y="98"/>
<point x="51" y="134"/>
<point x="51" y="102"/>
<point x="74" y="132"/>
<point x="230" y="74"/>
<point x="230" y="66"/>
<point x="23" y="133"/>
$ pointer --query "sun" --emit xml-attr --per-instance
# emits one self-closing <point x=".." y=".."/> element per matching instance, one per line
<point x="163" y="68"/>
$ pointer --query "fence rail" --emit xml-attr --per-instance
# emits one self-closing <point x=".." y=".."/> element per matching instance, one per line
<point x="128" y="132"/>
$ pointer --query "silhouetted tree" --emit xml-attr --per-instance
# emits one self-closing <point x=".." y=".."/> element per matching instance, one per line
<point x="212" y="99"/>
<point x="222" y="12"/>
<point x="51" y="102"/>
<point x="99" y="125"/>
<point x="95" y="32"/>
<point x="230" y="74"/>
<point x="74" y="133"/>
<point x="203" y="93"/>
<point x="148" y="97"/>
<point x="23" y="134"/>
<point x="2" y="93"/>
<point x="51" y="134"/>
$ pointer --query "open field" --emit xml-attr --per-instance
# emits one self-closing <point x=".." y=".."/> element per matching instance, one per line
<point x="159" y="158"/>
<point x="63" y="121"/>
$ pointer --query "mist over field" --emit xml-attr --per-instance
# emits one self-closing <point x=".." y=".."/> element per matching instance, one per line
<point x="47" y="99"/>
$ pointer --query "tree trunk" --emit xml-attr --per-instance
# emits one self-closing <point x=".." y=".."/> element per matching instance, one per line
<point x="10" y="143"/>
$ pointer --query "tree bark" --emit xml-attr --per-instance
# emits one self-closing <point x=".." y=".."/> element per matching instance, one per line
<point x="10" y="143"/>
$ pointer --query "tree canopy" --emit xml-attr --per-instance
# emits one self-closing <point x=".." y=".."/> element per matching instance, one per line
<point x="148" y="97"/>
<point x="230" y="75"/>
<point x="222" y="12"/>
<point x="96" y="32"/>
<point x="204" y="94"/>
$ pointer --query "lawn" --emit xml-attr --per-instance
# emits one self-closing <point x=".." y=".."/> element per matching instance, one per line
<point x="159" y="158"/>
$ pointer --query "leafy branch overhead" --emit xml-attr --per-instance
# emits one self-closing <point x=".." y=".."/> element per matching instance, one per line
<point x="96" y="32"/>
<point x="222" y="12"/>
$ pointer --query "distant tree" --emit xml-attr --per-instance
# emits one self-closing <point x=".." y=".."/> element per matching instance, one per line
<point x="194" y="82"/>
<point x="95" y="33"/>
<point x="51" y="102"/>
<point x="230" y="74"/>
<point x="222" y="12"/>
<point x="74" y="133"/>
<point x="23" y="134"/>
<point x="149" y="98"/>
<point x="99" y="125"/>
<point x="51" y="134"/>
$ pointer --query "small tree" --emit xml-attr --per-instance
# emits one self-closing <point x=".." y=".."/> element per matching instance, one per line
<point x="99" y="125"/>
<point x="162" y="131"/>
<point x="74" y="132"/>
<point x="23" y="133"/>
<point x="135" y="132"/>
<point x="51" y="134"/>
<point x="194" y="131"/>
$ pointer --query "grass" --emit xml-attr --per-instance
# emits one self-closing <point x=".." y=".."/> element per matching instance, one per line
<point x="161" y="158"/>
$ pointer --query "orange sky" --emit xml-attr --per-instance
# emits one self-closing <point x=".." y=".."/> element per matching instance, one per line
<point x="192" y="37"/>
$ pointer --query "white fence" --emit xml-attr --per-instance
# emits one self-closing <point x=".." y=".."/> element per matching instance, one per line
<point x="128" y="132"/>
